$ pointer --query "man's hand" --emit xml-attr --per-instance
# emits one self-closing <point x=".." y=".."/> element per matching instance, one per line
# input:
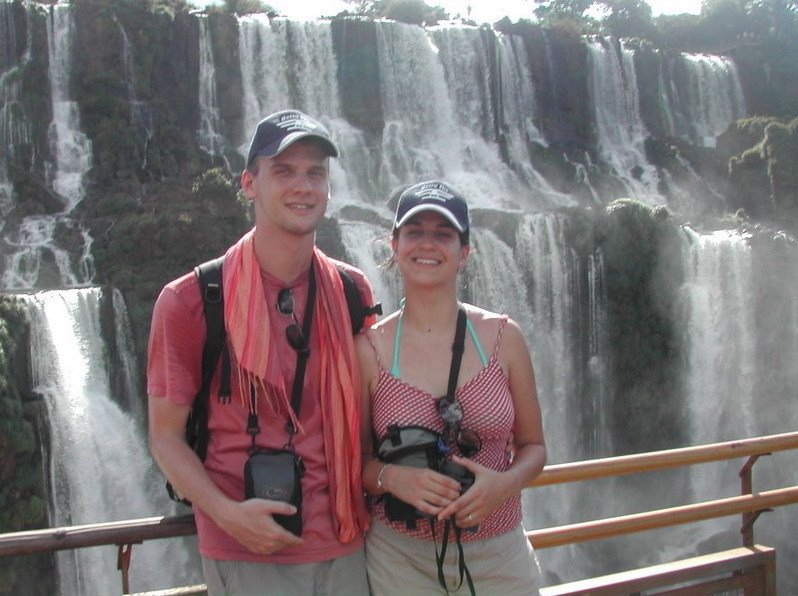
<point x="251" y="523"/>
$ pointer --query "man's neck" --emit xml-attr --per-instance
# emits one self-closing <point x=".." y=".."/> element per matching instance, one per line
<point x="284" y="256"/>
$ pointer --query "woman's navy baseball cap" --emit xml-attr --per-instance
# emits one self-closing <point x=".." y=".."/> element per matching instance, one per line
<point x="277" y="132"/>
<point x="438" y="196"/>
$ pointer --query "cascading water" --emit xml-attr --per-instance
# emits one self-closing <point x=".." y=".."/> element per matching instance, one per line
<point x="703" y="95"/>
<point x="438" y="111"/>
<point x="141" y="114"/>
<point x="33" y="243"/>
<point x="10" y="128"/>
<point x="621" y="130"/>
<point x="210" y="140"/>
<point x="69" y="146"/>
<point x="100" y="467"/>
<point x="445" y="113"/>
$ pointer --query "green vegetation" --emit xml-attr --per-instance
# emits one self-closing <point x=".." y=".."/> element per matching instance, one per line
<point x="415" y="12"/>
<point x="242" y="7"/>
<point x="22" y="506"/>
<point x="765" y="175"/>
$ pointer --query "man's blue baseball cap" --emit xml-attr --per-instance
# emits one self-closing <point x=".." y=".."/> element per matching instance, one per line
<point x="279" y="131"/>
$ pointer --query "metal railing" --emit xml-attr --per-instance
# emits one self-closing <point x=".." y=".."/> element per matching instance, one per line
<point x="125" y="534"/>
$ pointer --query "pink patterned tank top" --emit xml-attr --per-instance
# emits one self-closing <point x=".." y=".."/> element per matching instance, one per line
<point x="488" y="410"/>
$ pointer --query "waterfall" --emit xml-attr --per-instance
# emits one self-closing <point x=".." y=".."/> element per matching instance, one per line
<point x="35" y="259"/>
<point x="719" y="318"/>
<point x="70" y="148"/>
<point x="552" y="272"/>
<point x="703" y="96"/>
<point x="285" y="64"/>
<point x="100" y="469"/>
<point x="482" y="110"/>
<point x="436" y="105"/>
<point x="210" y="138"/>
<point x="621" y="131"/>
<point x="14" y="131"/>
<point x="140" y="112"/>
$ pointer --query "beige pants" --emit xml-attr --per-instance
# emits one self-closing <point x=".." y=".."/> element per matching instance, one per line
<point x="345" y="575"/>
<point x="504" y="565"/>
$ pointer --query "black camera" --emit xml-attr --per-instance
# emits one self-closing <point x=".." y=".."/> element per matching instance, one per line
<point x="275" y="475"/>
<point x="458" y="472"/>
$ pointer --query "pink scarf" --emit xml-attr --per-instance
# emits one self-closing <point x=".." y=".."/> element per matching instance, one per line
<point x="339" y="385"/>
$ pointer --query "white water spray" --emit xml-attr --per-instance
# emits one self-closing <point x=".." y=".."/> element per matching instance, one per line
<point x="100" y="468"/>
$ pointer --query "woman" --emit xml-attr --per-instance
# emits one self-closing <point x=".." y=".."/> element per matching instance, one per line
<point x="493" y="418"/>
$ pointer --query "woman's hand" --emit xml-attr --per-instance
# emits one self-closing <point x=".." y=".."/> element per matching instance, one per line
<point x="489" y="491"/>
<point x="427" y="490"/>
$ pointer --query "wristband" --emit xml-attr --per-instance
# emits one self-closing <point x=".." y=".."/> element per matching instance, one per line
<point x="384" y="467"/>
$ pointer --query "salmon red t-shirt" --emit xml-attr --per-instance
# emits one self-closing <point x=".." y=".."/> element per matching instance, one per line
<point x="176" y="341"/>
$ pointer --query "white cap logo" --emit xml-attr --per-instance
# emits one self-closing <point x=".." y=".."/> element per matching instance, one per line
<point x="434" y="192"/>
<point x="292" y="122"/>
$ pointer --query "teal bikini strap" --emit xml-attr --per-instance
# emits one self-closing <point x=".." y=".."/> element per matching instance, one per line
<point x="398" y="335"/>
<point x="475" y="338"/>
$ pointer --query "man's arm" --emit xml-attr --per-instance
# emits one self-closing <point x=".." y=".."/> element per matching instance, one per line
<point x="249" y="522"/>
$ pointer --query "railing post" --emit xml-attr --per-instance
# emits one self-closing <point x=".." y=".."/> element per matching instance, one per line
<point x="123" y="564"/>
<point x="747" y="488"/>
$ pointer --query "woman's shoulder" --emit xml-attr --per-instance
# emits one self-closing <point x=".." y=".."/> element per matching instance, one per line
<point x="489" y="325"/>
<point x="483" y="317"/>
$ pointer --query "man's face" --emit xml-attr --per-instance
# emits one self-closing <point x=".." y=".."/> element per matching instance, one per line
<point x="290" y="190"/>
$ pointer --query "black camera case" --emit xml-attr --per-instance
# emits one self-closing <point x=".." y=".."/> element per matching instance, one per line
<point x="275" y="475"/>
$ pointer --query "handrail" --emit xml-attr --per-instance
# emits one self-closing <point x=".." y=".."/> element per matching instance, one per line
<point x="661" y="460"/>
<point x="650" y="520"/>
<point x="127" y="532"/>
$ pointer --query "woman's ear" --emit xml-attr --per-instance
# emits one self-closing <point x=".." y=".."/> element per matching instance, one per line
<point x="464" y="252"/>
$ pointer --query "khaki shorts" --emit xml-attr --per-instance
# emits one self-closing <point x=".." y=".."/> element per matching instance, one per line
<point x="403" y="566"/>
<point x="345" y="575"/>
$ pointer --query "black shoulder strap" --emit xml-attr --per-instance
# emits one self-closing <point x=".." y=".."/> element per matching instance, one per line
<point x="354" y="301"/>
<point x="209" y="275"/>
<point x="457" y="353"/>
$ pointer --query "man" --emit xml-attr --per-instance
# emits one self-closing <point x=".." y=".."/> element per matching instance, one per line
<point x="267" y="277"/>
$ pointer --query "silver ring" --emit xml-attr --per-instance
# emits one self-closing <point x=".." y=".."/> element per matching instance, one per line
<point x="469" y="516"/>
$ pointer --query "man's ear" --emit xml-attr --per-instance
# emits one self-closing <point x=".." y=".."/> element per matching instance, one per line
<point x="247" y="181"/>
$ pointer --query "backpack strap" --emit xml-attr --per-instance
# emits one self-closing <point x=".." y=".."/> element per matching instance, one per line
<point x="354" y="301"/>
<point x="209" y="275"/>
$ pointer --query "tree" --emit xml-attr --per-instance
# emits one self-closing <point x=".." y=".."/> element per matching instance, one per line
<point x="778" y="18"/>
<point x="568" y="14"/>
<point x="629" y="18"/>
<point x="724" y="21"/>
<point x="416" y="12"/>
<point x="242" y="7"/>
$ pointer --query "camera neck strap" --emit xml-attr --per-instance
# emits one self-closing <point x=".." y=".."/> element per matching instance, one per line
<point x="440" y="557"/>
<point x="448" y="407"/>
<point x="458" y="347"/>
<point x="253" y="427"/>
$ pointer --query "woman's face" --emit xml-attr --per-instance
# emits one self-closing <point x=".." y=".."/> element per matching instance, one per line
<point x="427" y="249"/>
